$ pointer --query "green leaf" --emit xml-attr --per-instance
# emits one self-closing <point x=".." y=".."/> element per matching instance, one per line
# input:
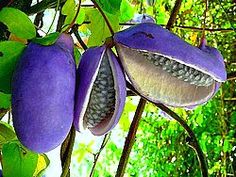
<point x="18" y="161"/>
<point x="42" y="164"/>
<point x="10" y="52"/>
<point x="81" y="17"/>
<point x="98" y="27"/>
<point x="110" y="6"/>
<point x="5" y="100"/>
<point x="47" y="40"/>
<point x="17" y="22"/>
<point x="77" y="55"/>
<point x="227" y="146"/>
<point x="68" y="7"/>
<point x="199" y="119"/>
<point x="6" y="133"/>
<point x="126" y="11"/>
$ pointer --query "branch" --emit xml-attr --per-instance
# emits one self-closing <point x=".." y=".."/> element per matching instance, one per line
<point x="74" y="19"/>
<point x="231" y="76"/>
<point x="76" y="33"/>
<point x="130" y="139"/>
<point x="229" y="99"/>
<point x="66" y="152"/>
<point x="104" y="16"/>
<point x="174" y="14"/>
<point x="194" y="142"/>
<point x="96" y="156"/>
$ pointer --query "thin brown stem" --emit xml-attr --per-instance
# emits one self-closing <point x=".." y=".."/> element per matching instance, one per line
<point x="54" y="17"/>
<point x="205" y="16"/>
<point x="193" y="144"/>
<point x="96" y="156"/>
<point x="173" y="14"/>
<point x="130" y="139"/>
<point x="74" y="19"/>
<point x="66" y="152"/>
<point x="76" y="33"/>
<point x="104" y="16"/>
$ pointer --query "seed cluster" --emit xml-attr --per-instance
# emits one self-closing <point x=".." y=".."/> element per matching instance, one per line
<point x="179" y="70"/>
<point x="102" y="99"/>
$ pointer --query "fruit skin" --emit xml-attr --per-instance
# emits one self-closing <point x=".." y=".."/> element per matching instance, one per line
<point x="86" y="75"/>
<point x="152" y="38"/>
<point x="43" y="94"/>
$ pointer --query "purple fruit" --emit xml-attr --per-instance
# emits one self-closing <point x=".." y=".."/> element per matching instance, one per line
<point x="43" y="94"/>
<point x="100" y="93"/>
<point x="166" y="69"/>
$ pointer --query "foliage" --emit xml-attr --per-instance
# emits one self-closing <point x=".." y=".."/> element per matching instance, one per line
<point x="162" y="147"/>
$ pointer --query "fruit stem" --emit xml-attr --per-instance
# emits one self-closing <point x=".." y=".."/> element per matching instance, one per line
<point x="74" y="19"/>
<point x="66" y="152"/>
<point x="104" y="16"/>
<point x="76" y="33"/>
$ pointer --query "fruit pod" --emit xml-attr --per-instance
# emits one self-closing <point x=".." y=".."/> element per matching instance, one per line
<point x="165" y="69"/>
<point x="100" y="92"/>
<point x="43" y="89"/>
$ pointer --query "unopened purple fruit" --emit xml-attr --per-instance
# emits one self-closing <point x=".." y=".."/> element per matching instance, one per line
<point x="43" y="94"/>
<point x="100" y="93"/>
<point x="166" y="69"/>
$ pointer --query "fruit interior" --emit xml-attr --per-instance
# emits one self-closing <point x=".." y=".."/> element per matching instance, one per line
<point x="176" y="69"/>
<point x="102" y="98"/>
<point x="162" y="79"/>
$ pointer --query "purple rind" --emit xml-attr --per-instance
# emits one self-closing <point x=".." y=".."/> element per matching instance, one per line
<point x="215" y="53"/>
<point x="43" y="95"/>
<point x="86" y="74"/>
<point x="154" y="38"/>
<point x="108" y="124"/>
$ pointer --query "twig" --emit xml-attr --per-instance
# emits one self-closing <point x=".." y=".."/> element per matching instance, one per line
<point x="229" y="99"/>
<point x="75" y="31"/>
<point x="104" y="16"/>
<point x="130" y="139"/>
<point x="181" y="27"/>
<point x="96" y="156"/>
<point x="3" y="112"/>
<point x="131" y="93"/>
<point x="74" y="19"/>
<point x="61" y="19"/>
<point x="193" y="143"/>
<point x="174" y="14"/>
<point x="38" y="21"/>
<point x="54" y="17"/>
<point x="66" y="152"/>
